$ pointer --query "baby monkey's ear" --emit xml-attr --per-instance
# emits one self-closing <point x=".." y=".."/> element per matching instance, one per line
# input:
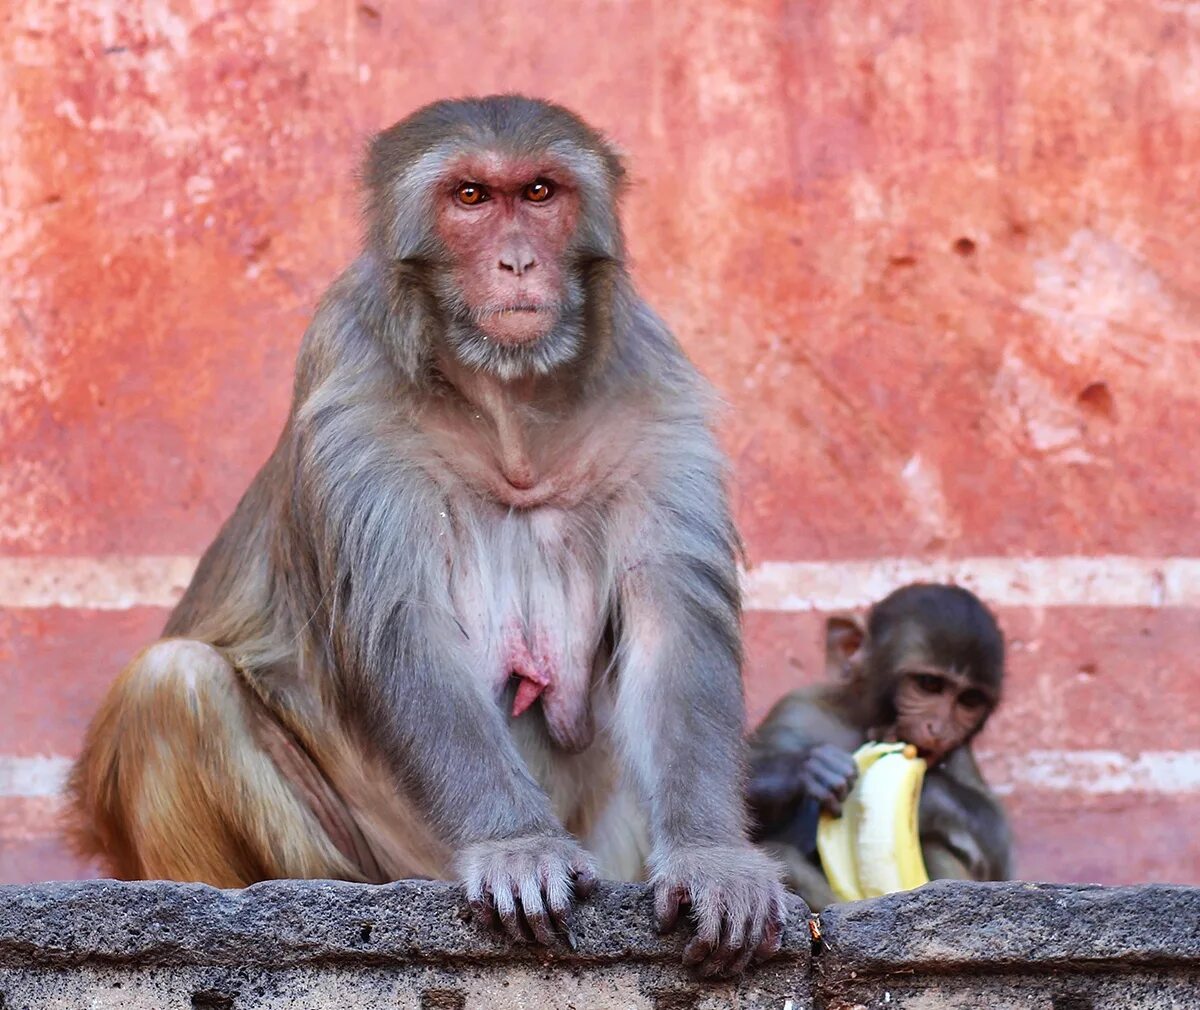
<point x="845" y="642"/>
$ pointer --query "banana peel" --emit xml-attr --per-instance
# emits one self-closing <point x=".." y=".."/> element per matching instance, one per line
<point x="874" y="847"/>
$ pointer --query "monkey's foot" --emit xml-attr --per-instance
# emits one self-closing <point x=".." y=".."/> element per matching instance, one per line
<point x="525" y="887"/>
<point x="734" y="898"/>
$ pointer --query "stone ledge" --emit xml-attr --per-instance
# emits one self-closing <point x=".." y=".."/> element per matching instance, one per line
<point x="309" y="944"/>
<point x="1057" y="947"/>
<point x="291" y="922"/>
<point x="954" y="925"/>
<point x="277" y="944"/>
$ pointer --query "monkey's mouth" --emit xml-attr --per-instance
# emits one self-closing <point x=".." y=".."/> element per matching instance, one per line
<point x="930" y="755"/>
<point x="518" y="322"/>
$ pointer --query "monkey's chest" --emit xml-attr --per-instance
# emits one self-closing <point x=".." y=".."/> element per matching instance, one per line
<point x="527" y="589"/>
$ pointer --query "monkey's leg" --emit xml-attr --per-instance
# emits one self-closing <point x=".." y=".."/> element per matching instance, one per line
<point x="941" y="863"/>
<point x="802" y="876"/>
<point x="177" y="779"/>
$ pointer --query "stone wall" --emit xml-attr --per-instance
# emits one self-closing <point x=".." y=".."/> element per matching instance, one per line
<point x="333" y="945"/>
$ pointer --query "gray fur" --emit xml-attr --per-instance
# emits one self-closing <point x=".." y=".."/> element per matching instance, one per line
<point x="363" y="581"/>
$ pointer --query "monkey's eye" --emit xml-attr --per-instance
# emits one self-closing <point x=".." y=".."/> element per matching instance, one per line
<point x="539" y="191"/>
<point x="972" y="699"/>
<point x="930" y="683"/>
<point x="472" y="193"/>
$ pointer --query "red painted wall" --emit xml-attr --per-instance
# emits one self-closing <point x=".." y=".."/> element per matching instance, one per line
<point x="939" y="255"/>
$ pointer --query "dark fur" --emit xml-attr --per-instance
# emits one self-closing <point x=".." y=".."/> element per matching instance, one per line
<point x="964" y="832"/>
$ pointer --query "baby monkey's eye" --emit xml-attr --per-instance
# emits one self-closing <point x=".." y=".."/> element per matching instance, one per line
<point x="539" y="191"/>
<point x="471" y="193"/>
<point x="930" y="683"/>
<point x="972" y="698"/>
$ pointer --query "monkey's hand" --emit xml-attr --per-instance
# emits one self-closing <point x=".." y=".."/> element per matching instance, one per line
<point x="525" y="887"/>
<point x="735" y="900"/>
<point x="828" y="774"/>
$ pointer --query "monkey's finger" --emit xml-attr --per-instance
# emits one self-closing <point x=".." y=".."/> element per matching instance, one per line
<point x="733" y="936"/>
<point x="832" y="805"/>
<point x="715" y="966"/>
<point x="771" y="942"/>
<point x="840" y="780"/>
<point x="585" y="877"/>
<point x="739" y="966"/>
<point x="479" y="901"/>
<point x="707" y="915"/>
<point x="772" y="937"/>
<point x="510" y="921"/>
<point x="774" y="926"/>
<point x="754" y="929"/>
<point x="535" y="910"/>
<point x="841" y="789"/>
<point x="831" y="780"/>
<point x="668" y="898"/>
<point x="818" y="788"/>
<point x="839" y="761"/>
<point x="739" y="961"/>
<point x="558" y="900"/>
<point x="697" y="951"/>
<point x="473" y="888"/>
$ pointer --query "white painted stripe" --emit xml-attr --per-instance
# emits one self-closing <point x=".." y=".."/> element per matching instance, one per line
<point x="121" y="582"/>
<point x="28" y="777"/>
<point x="94" y="583"/>
<point x="1093" y="772"/>
<point x="1113" y="581"/>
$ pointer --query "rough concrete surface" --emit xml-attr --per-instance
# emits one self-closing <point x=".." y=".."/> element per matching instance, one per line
<point x="292" y="944"/>
<point x="955" y="945"/>
<point x="332" y="944"/>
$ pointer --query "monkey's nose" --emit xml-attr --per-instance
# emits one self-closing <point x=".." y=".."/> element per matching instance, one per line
<point x="517" y="262"/>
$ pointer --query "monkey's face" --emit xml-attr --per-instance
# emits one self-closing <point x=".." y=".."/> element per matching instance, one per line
<point x="934" y="664"/>
<point x="506" y="224"/>
<point x="938" y="710"/>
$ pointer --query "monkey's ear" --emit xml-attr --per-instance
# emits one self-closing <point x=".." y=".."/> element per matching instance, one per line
<point x="845" y="636"/>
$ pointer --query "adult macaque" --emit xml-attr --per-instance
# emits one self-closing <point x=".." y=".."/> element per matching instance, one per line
<point x="927" y="669"/>
<point x="486" y="579"/>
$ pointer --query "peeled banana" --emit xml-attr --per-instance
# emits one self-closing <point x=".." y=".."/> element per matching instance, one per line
<point x="874" y="847"/>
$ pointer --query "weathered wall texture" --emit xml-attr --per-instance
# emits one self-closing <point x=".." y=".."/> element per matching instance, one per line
<point x="939" y="255"/>
<point x="290" y="944"/>
<point x="295" y="945"/>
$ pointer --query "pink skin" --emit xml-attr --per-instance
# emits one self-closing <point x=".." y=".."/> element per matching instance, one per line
<point x="534" y="677"/>
<point x="564" y="702"/>
<point x="507" y="249"/>
<point x="556" y="678"/>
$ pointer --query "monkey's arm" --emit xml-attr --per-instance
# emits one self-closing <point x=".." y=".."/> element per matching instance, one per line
<point x="680" y="716"/>
<point x="800" y="760"/>
<point x="802" y="719"/>
<point x="374" y="520"/>
<point x="964" y="830"/>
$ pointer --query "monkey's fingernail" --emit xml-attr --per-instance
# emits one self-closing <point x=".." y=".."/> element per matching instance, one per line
<point x="572" y="942"/>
